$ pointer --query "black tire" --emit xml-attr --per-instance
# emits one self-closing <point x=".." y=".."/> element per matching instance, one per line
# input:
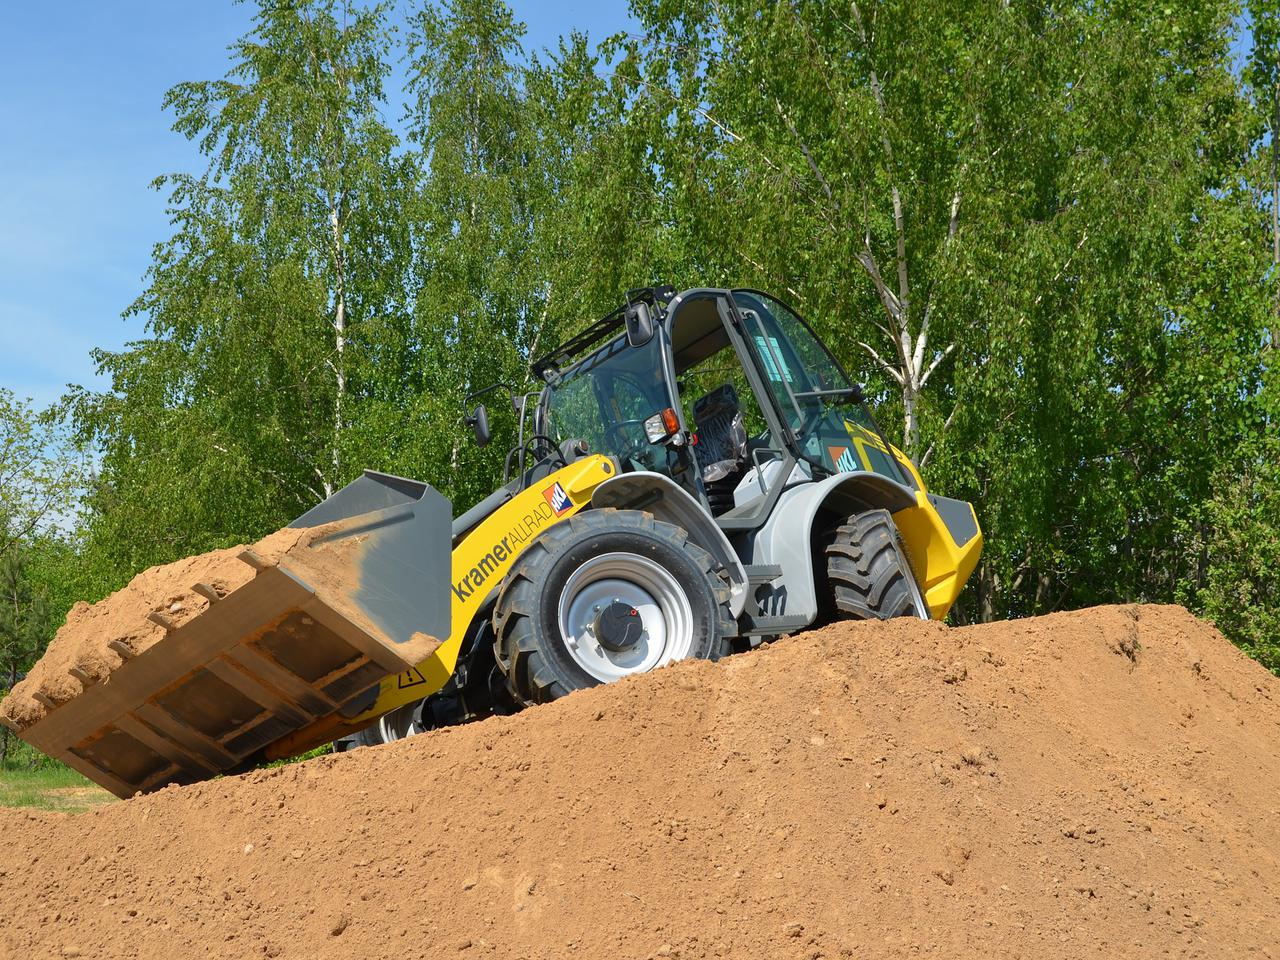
<point x="868" y="571"/>
<point x="530" y="647"/>
<point x="368" y="737"/>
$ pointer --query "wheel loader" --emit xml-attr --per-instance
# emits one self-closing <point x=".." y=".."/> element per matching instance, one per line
<point x="696" y="475"/>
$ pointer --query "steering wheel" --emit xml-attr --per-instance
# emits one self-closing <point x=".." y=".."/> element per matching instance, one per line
<point x="619" y="442"/>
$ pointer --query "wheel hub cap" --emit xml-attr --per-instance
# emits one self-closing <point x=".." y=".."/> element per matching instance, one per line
<point x="618" y="627"/>
<point x="620" y="613"/>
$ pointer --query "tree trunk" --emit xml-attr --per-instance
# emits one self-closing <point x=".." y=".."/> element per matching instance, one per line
<point x="910" y="418"/>
<point x="988" y="584"/>
<point x="1275" y="211"/>
<point x="1042" y="590"/>
<point x="340" y="347"/>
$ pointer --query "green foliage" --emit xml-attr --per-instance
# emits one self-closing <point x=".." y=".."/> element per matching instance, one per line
<point x="1241" y="529"/>
<point x="28" y="612"/>
<point x="479" y="302"/>
<point x="41" y="473"/>
<point x="1038" y="234"/>
<point x="1029" y="229"/>
<point x="277" y="305"/>
<point x="41" y="478"/>
<point x="25" y="617"/>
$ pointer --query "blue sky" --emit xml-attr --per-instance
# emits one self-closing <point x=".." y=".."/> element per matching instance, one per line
<point x="83" y="136"/>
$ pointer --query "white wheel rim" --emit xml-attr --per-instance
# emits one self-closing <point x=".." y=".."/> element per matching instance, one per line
<point x="665" y="614"/>
<point x="399" y="723"/>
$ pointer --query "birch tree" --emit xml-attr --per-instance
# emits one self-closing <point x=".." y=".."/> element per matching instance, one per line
<point x="278" y="307"/>
<point x="298" y="122"/>
<point x="1263" y="76"/>
<point x="1043" y="236"/>
<point x="482" y="302"/>
<point x="852" y="126"/>
<point x="998" y="215"/>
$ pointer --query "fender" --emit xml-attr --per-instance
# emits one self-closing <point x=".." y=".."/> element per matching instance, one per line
<point x="661" y="496"/>
<point x="786" y="537"/>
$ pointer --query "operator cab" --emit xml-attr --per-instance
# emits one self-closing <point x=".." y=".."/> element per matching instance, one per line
<point x="732" y="396"/>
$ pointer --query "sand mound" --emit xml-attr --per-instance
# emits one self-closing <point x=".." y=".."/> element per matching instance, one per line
<point x="1097" y="784"/>
<point x="81" y="652"/>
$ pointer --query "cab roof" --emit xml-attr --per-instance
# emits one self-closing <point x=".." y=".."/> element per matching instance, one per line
<point x="600" y="330"/>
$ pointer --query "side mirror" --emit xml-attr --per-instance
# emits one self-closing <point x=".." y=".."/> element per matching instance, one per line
<point x="479" y="422"/>
<point x="639" y="324"/>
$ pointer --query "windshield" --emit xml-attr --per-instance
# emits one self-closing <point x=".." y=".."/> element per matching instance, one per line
<point x="605" y="400"/>
<point x="815" y="397"/>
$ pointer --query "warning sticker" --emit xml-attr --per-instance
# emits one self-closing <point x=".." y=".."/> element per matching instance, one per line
<point x="410" y="678"/>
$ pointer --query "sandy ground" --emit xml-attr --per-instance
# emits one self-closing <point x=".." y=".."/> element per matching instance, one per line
<point x="1096" y="784"/>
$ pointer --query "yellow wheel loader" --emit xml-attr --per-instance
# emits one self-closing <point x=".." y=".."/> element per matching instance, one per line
<point x="696" y="475"/>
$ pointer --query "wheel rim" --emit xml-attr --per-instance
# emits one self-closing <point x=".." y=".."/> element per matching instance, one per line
<point x="399" y="723"/>
<point x="651" y="590"/>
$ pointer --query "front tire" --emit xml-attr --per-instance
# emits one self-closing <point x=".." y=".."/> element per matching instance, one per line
<point x="368" y="737"/>
<point x="604" y="595"/>
<point x="868" y="571"/>
<point x="400" y="723"/>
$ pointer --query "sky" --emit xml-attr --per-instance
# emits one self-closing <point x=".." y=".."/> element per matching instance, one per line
<point x="82" y="135"/>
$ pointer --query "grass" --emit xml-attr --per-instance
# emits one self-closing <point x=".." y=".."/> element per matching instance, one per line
<point x="48" y="787"/>
<point x="30" y="779"/>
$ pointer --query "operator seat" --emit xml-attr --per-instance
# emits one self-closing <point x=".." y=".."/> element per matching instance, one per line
<point x="722" y="445"/>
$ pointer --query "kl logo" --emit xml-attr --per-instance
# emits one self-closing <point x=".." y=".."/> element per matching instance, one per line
<point x="558" y="499"/>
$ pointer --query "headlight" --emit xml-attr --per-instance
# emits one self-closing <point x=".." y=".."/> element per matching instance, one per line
<point x="662" y="425"/>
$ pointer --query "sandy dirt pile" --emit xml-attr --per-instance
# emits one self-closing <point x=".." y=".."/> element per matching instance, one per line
<point x="1096" y="784"/>
<point x="84" y="641"/>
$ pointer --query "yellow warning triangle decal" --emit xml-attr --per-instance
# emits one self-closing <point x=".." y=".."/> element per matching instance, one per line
<point x="410" y="678"/>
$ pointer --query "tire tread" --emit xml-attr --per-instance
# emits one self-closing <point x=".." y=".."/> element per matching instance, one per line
<point x="531" y="676"/>
<point x="868" y="569"/>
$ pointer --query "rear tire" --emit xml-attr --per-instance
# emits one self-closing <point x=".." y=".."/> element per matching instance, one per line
<point x="670" y="594"/>
<point x="867" y="567"/>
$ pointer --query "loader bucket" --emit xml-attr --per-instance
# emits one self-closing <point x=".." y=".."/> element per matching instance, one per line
<point x="361" y="593"/>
